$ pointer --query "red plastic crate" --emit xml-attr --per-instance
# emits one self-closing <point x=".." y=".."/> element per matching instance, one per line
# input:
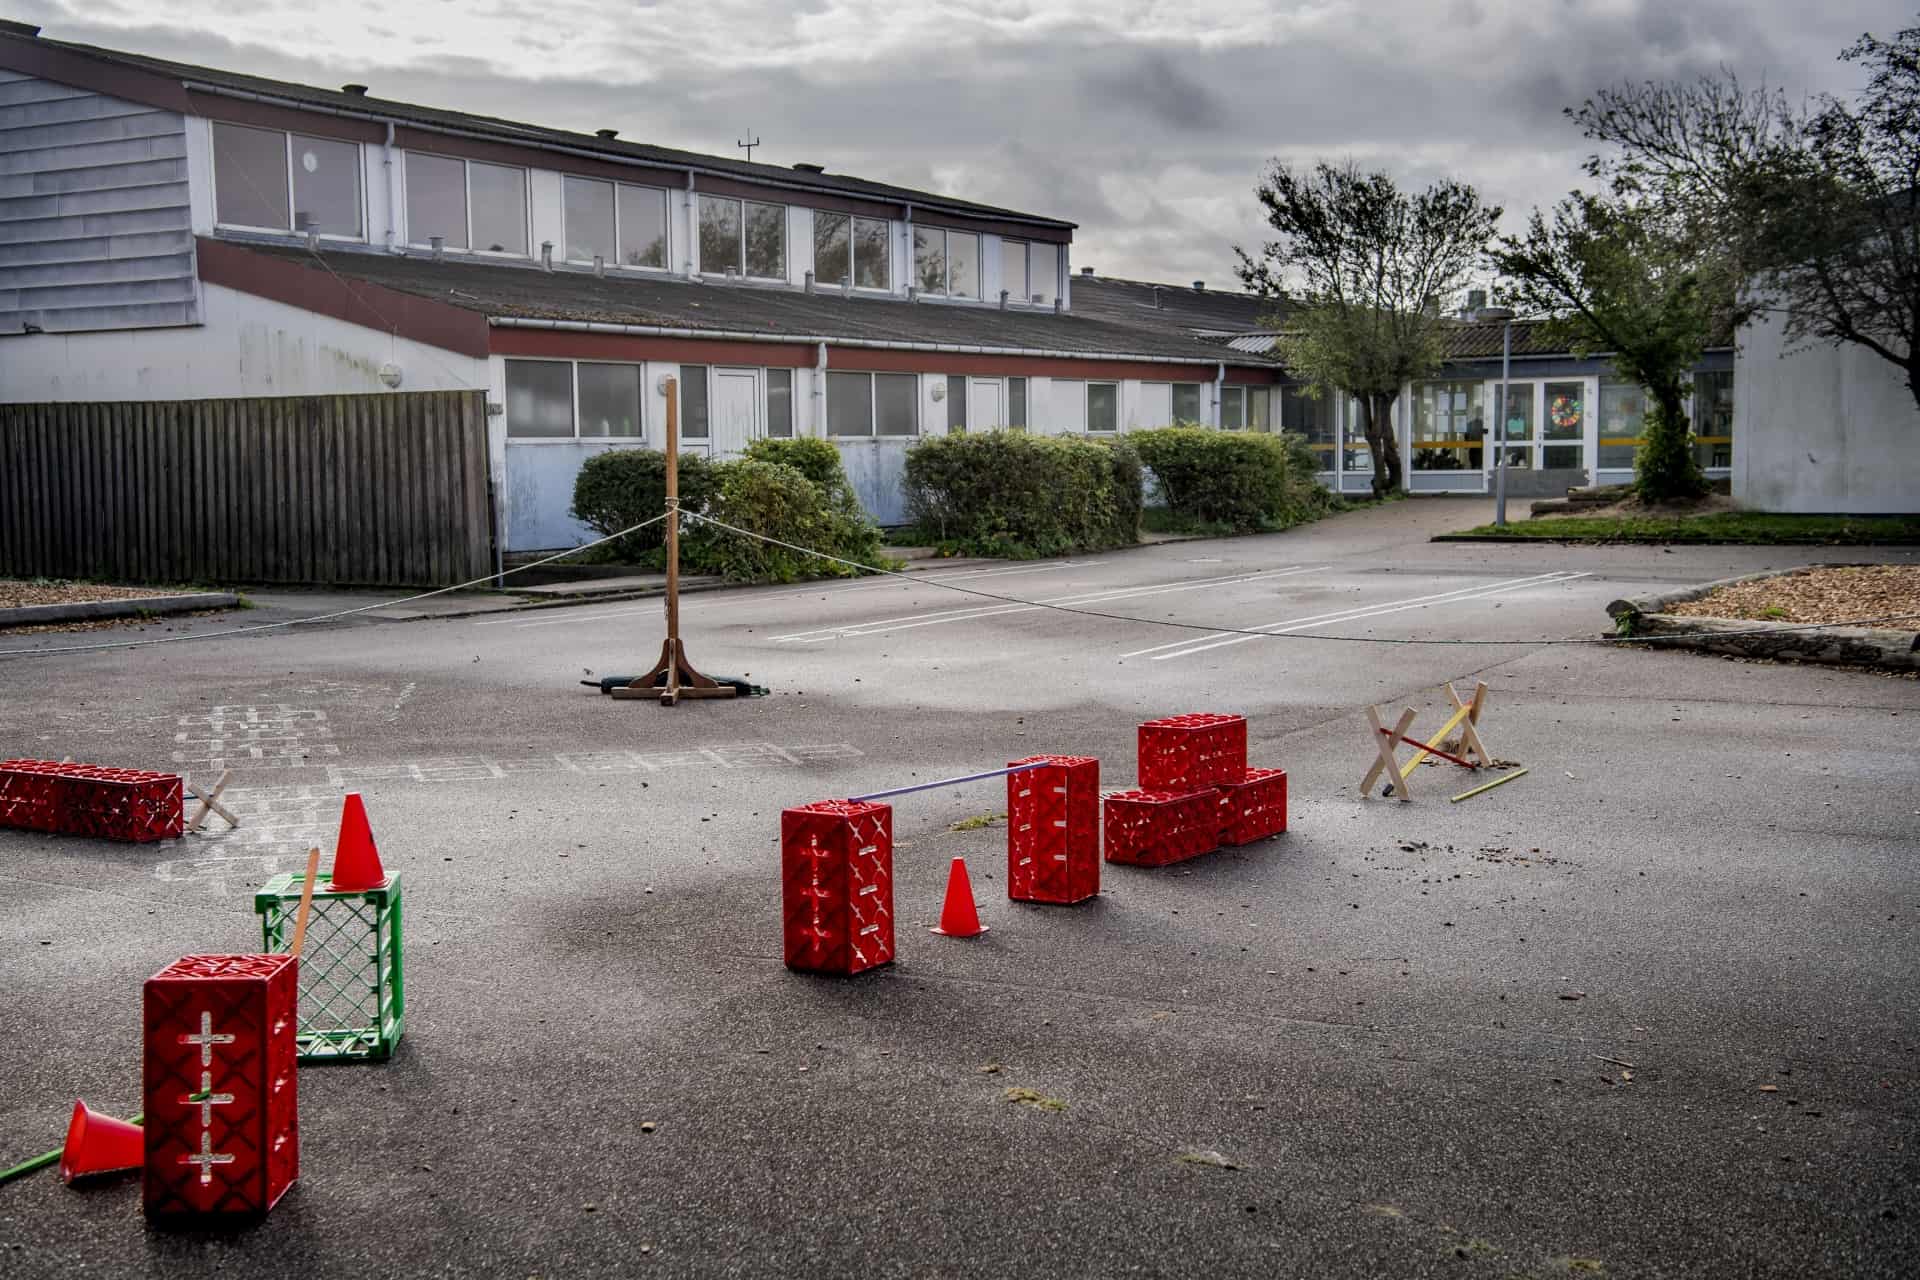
<point x="1154" y="828"/>
<point x="1053" y="830"/>
<point x="222" y="1093"/>
<point x="1254" y="807"/>
<point x="90" y="800"/>
<point x="1179" y="753"/>
<point x="836" y="872"/>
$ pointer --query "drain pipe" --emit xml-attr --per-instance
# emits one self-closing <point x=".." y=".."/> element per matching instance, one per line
<point x="1219" y="394"/>
<point x="393" y="196"/>
<point x="693" y="225"/>
<point x="820" y="393"/>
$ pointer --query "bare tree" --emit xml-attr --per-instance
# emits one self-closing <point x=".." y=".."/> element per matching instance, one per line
<point x="1365" y="270"/>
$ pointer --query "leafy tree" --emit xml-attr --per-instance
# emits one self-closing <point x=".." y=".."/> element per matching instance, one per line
<point x="1626" y="276"/>
<point x="1365" y="270"/>
<point x="1819" y="206"/>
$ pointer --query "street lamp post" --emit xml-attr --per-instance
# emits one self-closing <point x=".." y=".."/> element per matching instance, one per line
<point x="1505" y="316"/>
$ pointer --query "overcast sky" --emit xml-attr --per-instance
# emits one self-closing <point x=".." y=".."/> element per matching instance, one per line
<point x="1146" y="122"/>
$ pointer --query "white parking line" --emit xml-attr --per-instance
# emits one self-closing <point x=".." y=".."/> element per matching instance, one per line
<point x="1187" y="648"/>
<point x="910" y="621"/>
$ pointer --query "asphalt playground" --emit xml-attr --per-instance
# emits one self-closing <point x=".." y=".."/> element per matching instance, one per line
<point x="1651" y="1010"/>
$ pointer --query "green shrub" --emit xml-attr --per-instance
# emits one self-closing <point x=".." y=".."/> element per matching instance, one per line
<point x="778" y="501"/>
<point x="1009" y="493"/>
<point x="1664" y="468"/>
<point x="618" y="489"/>
<point x="1237" y="481"/>
<point x="815" y="459"/>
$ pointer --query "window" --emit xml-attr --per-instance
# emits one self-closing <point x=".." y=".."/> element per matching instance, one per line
<point x="847" y="249"/>
<point x="497" y="196"/>
<point x="1186" y="402"/>
<point x="743" y="237"/>
<point x="436" y="200"/>
<point x="832" y="248"/>
<point x="1449" y="426"/>
<point x="250" y="170"/>
<point x="469" y="205"/>
<point x="1233" y="408"/>
<point x="275" y="181"/>
<point x="1310" y="417"/>
<point x="542" y="396"/>
<point x="857" y="402"/>
<point x="1103" y="406"/>
<point x="1067" y="407"/>
<point x="1260" y="408"/>
<point x="946" y="263"/>
<point x="1017" y="403"/>
<point x="643" y="226"/>
<point x="720" y="249"/>
<point x="1013" y="269"/>
<point x="693" y="401"/>
<point x="1566" y="420"/>
<point x="539" y="399"/>
<point x="1519" y="422"/>
<point x="1043" y="273"/>
<point x="780" y="403"/>
<point x="1355" y="453"/>
<point x="1713" y="418"/>
<point x="1623" y="411"/>
<point x="956" y="404"/>
<point x="589" y="220"/>
<point x="609" y="398"/>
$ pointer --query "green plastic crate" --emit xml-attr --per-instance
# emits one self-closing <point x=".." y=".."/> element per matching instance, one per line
<point x="352" y="997"/>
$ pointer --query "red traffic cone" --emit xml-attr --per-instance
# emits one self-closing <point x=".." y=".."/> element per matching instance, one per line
<point x="100" y="1144"/>
<point x="356" y="862"/>
<point x="959" y="918"/>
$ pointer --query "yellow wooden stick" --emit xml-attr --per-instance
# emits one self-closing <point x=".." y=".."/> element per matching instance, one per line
<point x="1445" y="729"/>
<point x="1485" y="786"/>
<point x="306" y="902"/>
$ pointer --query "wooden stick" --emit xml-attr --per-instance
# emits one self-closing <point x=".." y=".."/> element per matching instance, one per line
<point x="306" y="902"/>
<point x="210" y="803"/>
<point x="1386" y="744"/>
<point x="1429" y="750"/>
<point x="1441" y="736"/>
<point x="1486" y="786"/>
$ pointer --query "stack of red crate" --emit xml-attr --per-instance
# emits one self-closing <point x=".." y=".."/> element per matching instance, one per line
<point x="1196" y="793"/>
<point x="836" y="869"/>
<point x="90" y="800"/>
<point x="1053" y="829"/>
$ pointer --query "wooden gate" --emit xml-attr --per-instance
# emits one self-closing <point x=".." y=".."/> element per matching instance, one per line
<point x="373" y="489"/>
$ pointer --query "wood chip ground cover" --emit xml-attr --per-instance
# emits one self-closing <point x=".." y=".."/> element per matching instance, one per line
<point x="1837" y="594"/>
<point x="15" y="593"/>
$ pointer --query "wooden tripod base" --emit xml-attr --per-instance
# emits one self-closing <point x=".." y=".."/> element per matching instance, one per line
<point x="674" y="678"/>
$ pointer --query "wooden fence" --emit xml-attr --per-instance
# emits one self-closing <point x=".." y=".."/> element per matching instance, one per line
<point x="372" y="489"/>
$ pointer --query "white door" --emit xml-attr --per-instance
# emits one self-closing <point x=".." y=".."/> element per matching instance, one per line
<point x="736" y="410"/>
<point x="983" y="405"/>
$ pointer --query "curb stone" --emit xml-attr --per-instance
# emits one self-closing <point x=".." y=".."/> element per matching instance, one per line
<point x="36" y="615"/>
<point x="1888" y="649"/>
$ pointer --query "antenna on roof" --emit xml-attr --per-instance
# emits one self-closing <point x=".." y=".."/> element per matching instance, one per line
<point x="749" y="146"/>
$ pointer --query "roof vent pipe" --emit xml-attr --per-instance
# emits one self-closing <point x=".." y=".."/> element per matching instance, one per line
<point x="1086" y="271"/>
<point x="811" y="168"/>
<point x="546" y="255"/>
<point x="357" y="90"/>
<point x="1059" y="305"/>
<point x="313" y="240"/>
<point x="1157" y="304"/>
<point x="439" y="244"/>
<point x="809" y="282"/>
<point x="1199" y="286"/>
<point x="600" y="265"/>
<point x="913" y="293"/>
<point x="608" y="134"/>
<point x="1003" y="299"/>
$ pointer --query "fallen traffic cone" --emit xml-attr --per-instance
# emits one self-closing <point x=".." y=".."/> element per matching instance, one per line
<point x="100" y="1144"/>
<point x="959" y="918"/>
<point x="356" y="862"/>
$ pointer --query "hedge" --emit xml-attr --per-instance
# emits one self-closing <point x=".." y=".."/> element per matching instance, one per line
<point x="793" y="490"/>
<point x="1017" y="495"/>
<point x="1242" y="481"/>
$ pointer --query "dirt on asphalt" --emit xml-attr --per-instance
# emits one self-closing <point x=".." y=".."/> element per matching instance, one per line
<point x="15" y="593"/>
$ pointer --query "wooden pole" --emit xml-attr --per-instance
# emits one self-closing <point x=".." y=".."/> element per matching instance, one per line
<point x="672" y="690"/>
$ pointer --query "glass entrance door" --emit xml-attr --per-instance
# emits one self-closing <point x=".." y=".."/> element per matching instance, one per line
<point x="1564" y="427"/>
<point x="1522" y="446"/>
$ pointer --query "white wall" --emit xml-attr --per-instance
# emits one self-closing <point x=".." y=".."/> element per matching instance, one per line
<point x="248" y="346"/>
<point x="1826" y="429"/>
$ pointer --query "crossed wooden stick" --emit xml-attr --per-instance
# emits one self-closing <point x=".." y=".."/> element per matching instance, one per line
<point x="210" y="803"/>
<point x="1387" y="741"/>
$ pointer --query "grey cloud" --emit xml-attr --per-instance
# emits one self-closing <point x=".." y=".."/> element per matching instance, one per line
<point x="1153" y="84"/>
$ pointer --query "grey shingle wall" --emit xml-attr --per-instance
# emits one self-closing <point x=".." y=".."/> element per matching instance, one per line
<point x="95" y="228"/>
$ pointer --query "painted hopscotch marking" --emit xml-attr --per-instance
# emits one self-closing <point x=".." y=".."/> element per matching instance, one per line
<point x="746" y="755"/>
<point x="263" y="736"/>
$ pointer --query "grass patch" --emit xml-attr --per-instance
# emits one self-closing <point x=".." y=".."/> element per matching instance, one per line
<point x="978" y="822"/>
<point x="1033" y="1098"/>
<point x="1754" y="528"/>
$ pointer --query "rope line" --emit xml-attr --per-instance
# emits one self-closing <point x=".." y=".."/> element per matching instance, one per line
<point x="326" y="617"/>
<point x="695" y="517"/>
